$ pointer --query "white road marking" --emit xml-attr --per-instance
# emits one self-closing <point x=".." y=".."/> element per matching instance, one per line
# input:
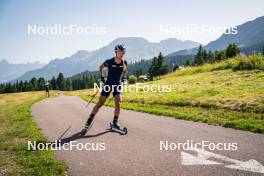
<point x="202" y="158"/>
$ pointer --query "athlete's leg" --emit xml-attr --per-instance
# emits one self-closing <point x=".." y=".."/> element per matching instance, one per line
<point x="94" y="111"/>
<point x="103" y="96"/>
<point x="117" y="99"/>
<point x="100" y="103"/>
<point x="102" y="99"/>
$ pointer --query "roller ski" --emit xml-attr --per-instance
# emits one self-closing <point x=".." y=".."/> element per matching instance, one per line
<point x="87" y="126"/>
<point x="114" y="126"/>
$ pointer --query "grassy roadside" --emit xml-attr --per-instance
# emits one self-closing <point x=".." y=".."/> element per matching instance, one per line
<point x="16" y="129"/>
<point x="213" y="93"/>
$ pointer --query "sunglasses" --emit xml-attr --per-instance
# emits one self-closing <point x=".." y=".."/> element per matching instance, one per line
<point x="121" y="51"/>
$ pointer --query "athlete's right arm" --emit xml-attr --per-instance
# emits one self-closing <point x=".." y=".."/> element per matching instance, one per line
<point x="101" y="67"/>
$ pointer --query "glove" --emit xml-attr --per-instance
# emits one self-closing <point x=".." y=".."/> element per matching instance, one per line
<point x="102" y="79"/>
<point x="123" y="79"/>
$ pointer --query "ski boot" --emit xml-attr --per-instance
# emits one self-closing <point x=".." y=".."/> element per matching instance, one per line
<point x="87" y="126"/>
<point x="114" y="126"/>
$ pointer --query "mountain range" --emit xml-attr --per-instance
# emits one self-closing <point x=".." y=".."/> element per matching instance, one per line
<point x="249" y="36"/>
<point x="137" y="49"/>
<point x="9" y="71"/>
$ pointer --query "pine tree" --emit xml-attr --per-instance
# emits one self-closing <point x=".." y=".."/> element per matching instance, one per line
<point x="187" y="63"/>
<point x="53" y="83"/>
<point x="68" y="84"/>
<point x="157" y="67"/>
<point x="40" y="83"/>
<point x="198" y="60"/>
<point x="61" y="82"/>
<point x="210" y="57"/>
<point x="2" y="88"/>
<point x="20" y="86"/>
<point x="33" y="82"/>
<point x="153" y="68"/>
<point x="232" y="50"/>
<point x="175" y="67"/>
<point x="220" y="55"/>
<point x="204" y="56"/>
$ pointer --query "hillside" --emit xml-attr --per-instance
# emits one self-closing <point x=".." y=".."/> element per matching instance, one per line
<point x="216" y="94"/>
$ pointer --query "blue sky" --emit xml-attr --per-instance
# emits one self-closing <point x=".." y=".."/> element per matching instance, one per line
<point x="120" y="18"/>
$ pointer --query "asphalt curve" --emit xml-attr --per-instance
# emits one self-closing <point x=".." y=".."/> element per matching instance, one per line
<point x="140" y="152"/>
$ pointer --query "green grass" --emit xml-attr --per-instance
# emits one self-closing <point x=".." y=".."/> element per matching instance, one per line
<point x="215" y="94"/>
<point x="16" y="129"/>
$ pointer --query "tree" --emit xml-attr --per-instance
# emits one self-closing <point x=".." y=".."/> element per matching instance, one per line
<point x="40" y="84"/>
<point x="210" y="57"/>
<point x="30" y="87"/>
<point x="187" y="63"/>
<point x="153" y="68"/>
<point x="262" y="50"/>
<point x="157" y="67"/>
<point x="220" y="55"/>
<point x="61" y="82"/>
<point x="138" y="72"/>
<point x="232" y="50"/>
<point x="2" y="88"/>
<point x="92" y="80"/>
<point x="204" y="56"/>
<point x="53" y="83"/>
<point x="68" y="84"/>
<point x="33" y="82"/>
<point x="198" y="60"/>
<point x="175" y="67"/>
<point x="20" y="86"/>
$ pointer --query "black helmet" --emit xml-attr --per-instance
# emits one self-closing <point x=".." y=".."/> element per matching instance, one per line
<point x="120" y="47"/>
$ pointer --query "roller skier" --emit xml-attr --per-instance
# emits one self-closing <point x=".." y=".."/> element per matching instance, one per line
<point x="117" y="71"/>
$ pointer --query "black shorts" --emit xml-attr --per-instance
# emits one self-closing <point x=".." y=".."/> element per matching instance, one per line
<point x="47" y="90"/>
<point x="108" y="88"/>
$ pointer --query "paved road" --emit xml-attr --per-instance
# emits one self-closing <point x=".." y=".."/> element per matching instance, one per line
<point x="138" y="152"/>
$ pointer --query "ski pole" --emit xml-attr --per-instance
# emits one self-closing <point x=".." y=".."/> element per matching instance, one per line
<point x="64" y="133"/>
<point x="93" y="96"/>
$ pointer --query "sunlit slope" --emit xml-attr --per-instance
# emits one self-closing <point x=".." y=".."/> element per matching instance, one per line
<point x="228" y="93"/>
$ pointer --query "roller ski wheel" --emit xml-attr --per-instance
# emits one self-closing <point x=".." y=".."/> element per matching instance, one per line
<point x="118" y="129"/>
<point x="86" y="129"/>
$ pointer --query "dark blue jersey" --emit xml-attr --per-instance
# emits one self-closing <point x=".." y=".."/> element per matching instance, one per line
<point x="114" y="70"/>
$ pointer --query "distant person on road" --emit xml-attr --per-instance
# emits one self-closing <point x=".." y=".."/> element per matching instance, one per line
<point x="47" y="88"/>
<point x="117" y="70"/>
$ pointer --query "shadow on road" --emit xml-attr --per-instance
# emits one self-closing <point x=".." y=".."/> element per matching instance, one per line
<point x="78" y="135"/>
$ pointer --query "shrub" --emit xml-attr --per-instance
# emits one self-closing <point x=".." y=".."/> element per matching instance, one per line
<point x="132" y="79"/>
<point x="250" y="63"/>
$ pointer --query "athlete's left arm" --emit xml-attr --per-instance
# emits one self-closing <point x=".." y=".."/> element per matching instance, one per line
<point x="124" y="76"/>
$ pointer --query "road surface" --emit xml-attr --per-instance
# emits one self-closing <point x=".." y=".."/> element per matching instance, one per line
<point x="142" y="151"/>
